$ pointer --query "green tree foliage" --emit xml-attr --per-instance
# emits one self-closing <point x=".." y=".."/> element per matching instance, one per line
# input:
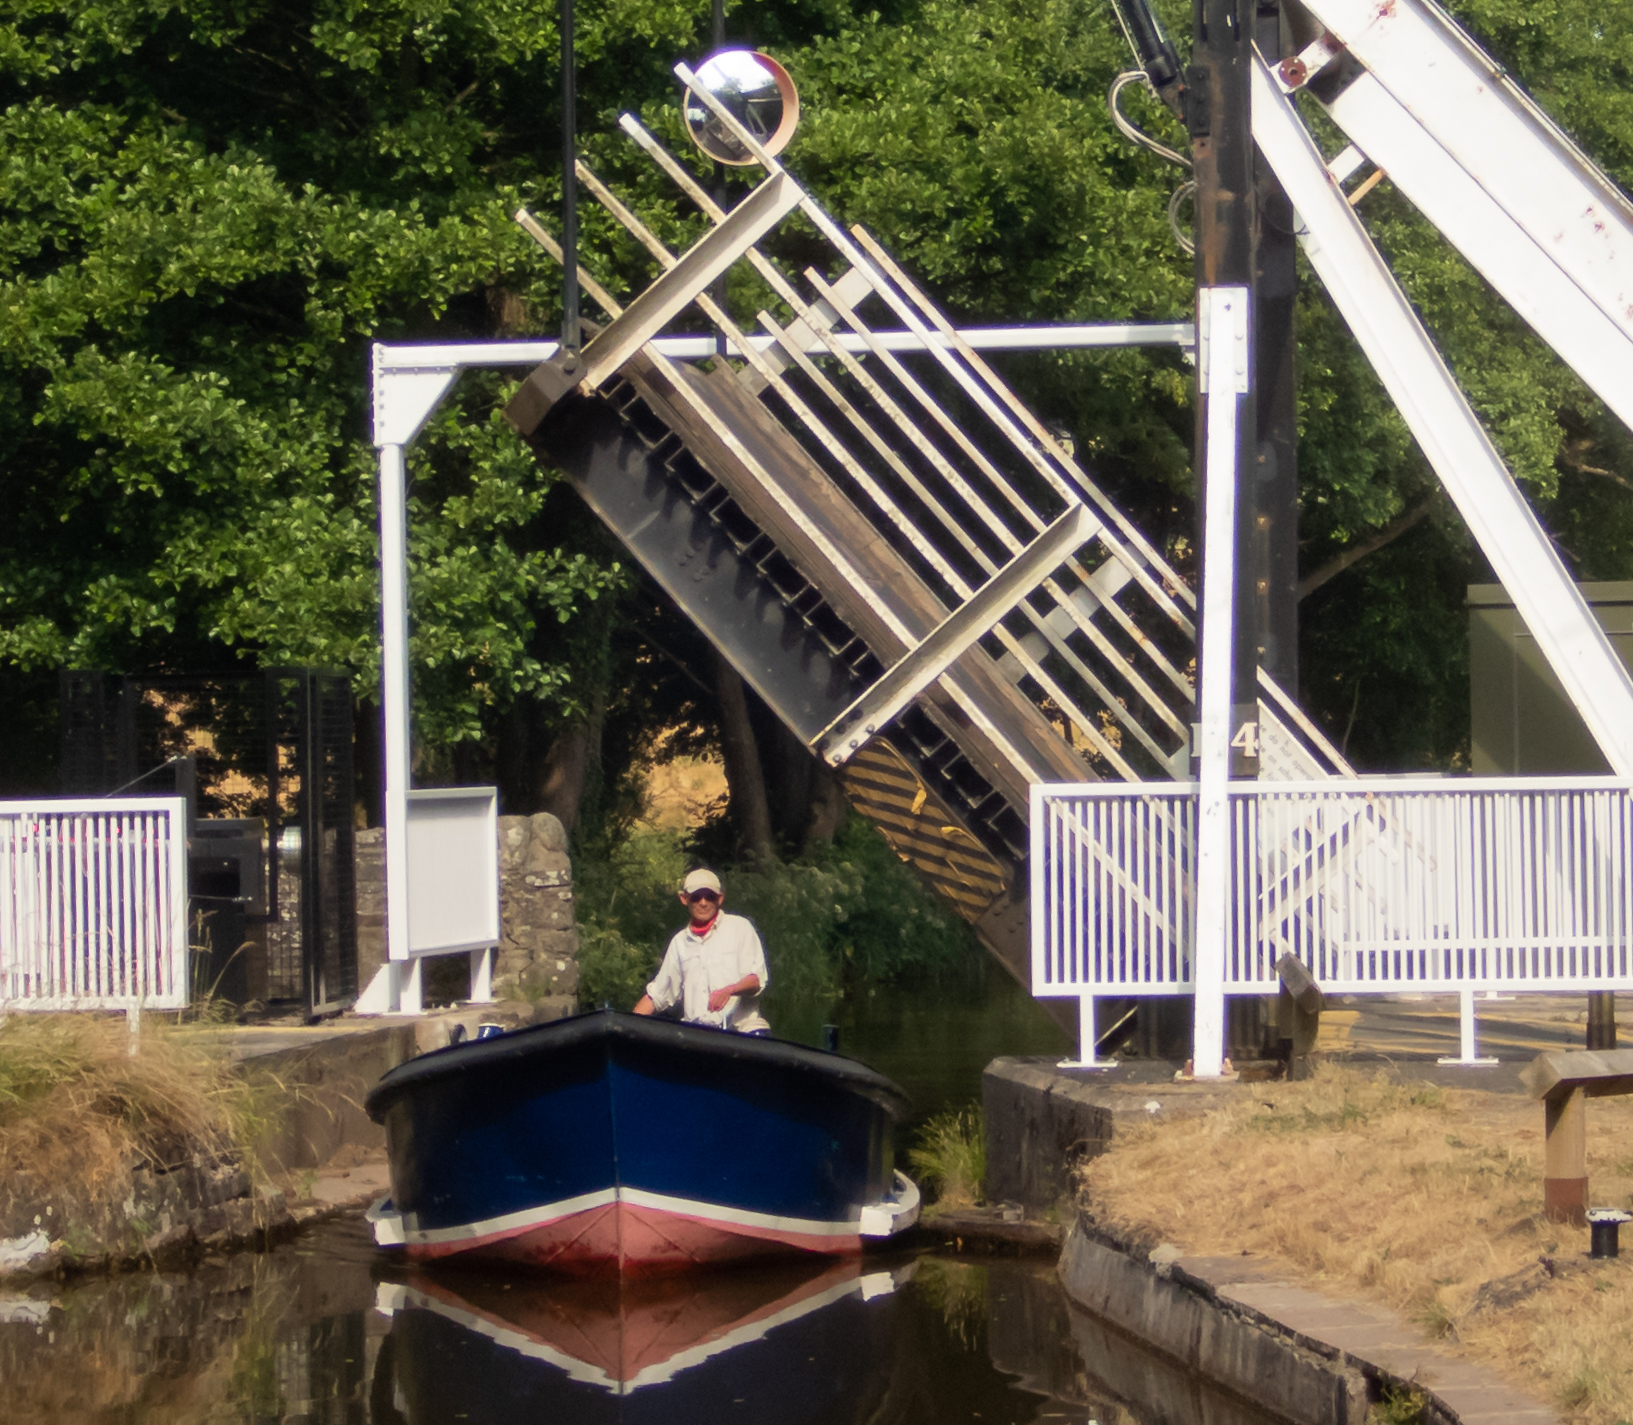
<point x="208" y="212"/>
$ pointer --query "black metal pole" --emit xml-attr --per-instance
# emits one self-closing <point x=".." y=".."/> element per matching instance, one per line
<point x="1155" y="54"/>
<point x="717" y="42"/>
<point x="1217" y="90"/>
<point x="1220" y="123"/>
<point x="569" y="183"/>
<point x="1272" y="568"/>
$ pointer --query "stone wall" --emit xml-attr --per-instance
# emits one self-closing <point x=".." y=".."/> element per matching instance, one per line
<point x="1272" y="1372"/>
<point x="538" y="946"/>
<point x="370" y="861"/>
<point x="1042" y="1124"/>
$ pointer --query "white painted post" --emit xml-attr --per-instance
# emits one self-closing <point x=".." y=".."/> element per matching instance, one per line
<point x="1469" y="1053"/>
<point x="1222" y="374"/>
<point x="482" y="976"/>
<point x="394" y="703"/>
<point x="410" y="986"/>
<point x="404" y="398"/>
<point x="1088" y="1051"/>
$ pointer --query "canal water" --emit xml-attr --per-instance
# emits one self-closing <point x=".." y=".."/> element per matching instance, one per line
<point x="934" y="1039"/>
<point x="324" y="1330"/>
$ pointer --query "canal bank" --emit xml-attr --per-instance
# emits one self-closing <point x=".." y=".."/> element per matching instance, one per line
<point x="1276" y="1347"/>
<point x="200" y="1139"/>
<point x="1235" y="1324"/>
<point x="1314" y="1247"/>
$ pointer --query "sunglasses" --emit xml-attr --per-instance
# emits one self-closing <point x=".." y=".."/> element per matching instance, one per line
<point x="697" y="896"/>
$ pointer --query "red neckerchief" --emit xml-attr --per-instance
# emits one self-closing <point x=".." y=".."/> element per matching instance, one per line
<point x="702" y="931"/>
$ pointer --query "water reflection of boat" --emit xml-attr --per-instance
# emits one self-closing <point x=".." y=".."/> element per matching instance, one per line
<point x="774" y="1343"/>
<point x="612" y="1142"/>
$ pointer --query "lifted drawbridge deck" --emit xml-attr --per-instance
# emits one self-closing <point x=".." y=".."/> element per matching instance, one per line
<point x="909" y="569"/>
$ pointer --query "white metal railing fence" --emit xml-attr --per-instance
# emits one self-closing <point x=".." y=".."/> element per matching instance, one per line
<point x="1113" y="888"/>
<point x="1375" y="885"/>
<point x="93" y="904"/>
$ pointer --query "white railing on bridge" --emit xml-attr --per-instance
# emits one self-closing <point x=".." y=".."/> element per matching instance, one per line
<point x="1377" y="884"/>
<point x="93" y="904"/>
<point x="1113" y="888"/>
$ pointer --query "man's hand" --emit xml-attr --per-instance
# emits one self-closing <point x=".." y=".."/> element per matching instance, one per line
<point x="643" y="1005"/>
<point x="745" y="986"/>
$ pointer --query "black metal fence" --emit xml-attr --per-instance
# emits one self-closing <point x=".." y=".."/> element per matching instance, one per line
<point x="265" y="760"/>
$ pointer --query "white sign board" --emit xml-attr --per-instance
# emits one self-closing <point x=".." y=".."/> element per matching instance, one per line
<point x="453" y="870"/>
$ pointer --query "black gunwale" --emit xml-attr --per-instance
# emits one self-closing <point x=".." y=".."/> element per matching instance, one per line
<point x="483" y="1055"/>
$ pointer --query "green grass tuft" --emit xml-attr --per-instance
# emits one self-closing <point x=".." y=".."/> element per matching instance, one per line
<point x="1403" y="1406"/>
<point x="949" y="1157"/>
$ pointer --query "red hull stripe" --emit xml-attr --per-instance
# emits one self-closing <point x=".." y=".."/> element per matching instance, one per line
<point x="735" y="1217"/>
<point x="632" y="1230"/>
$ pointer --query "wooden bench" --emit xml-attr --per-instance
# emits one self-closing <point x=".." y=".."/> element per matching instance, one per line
<point x="1565" y="1081"/>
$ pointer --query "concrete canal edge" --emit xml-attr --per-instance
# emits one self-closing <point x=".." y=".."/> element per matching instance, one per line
<point x="1181" y="1317"/>
<point x="1042" y="1124"/>
<point x="1307" y="1358"/>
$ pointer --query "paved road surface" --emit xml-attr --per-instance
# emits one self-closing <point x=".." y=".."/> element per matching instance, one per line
<point x="1518" y="1026"/>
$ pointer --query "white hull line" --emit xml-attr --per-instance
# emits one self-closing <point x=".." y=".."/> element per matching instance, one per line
<point x="514" y="1223"/>
<point x="877" y="1284"/>
<point x="509" y="1224"/>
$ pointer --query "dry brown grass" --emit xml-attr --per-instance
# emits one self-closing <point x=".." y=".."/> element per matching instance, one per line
<point x="1411" y="1195"/>
<point x="76" y="1106"/>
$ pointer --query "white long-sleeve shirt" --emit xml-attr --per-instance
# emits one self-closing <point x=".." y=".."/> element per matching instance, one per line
<point x="694" y="966"/>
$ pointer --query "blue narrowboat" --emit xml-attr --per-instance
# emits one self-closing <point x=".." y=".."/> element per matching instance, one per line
<point x="612" y="1142"/>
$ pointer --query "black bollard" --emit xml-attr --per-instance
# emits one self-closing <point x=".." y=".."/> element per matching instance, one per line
<point x="830" y="1038"/>
<point x="1604" y="1224"/>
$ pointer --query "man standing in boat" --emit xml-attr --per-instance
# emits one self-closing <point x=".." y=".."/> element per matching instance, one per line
<point x="715" y="968"/>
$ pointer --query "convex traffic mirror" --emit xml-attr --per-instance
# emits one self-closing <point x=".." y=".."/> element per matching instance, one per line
<point x="757" y="92"/>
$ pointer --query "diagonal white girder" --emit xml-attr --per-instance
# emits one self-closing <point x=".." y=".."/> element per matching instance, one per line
<point x="1499" y="137"/>
<point x="692" y="273"/>
<point x="1525" y="271"/>
<point x="1446" y="428"/>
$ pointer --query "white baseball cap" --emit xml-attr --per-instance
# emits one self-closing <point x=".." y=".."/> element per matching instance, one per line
<point x="700" y="880"/>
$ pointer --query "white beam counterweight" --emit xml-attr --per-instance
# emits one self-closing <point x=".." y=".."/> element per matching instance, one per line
<point x="1447" y="429"/>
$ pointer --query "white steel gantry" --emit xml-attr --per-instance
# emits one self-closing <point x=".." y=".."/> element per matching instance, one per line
<point x="1195" y="891"/>
<point x="441" y="890"/>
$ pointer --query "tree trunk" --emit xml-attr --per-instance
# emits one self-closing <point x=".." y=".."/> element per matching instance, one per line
<point x="570" y="781"/>
<point x="564" y="768"/>
<point x="787" y="763"/>
<point x="745" y="779"/>
<point x="827" y="805"/>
